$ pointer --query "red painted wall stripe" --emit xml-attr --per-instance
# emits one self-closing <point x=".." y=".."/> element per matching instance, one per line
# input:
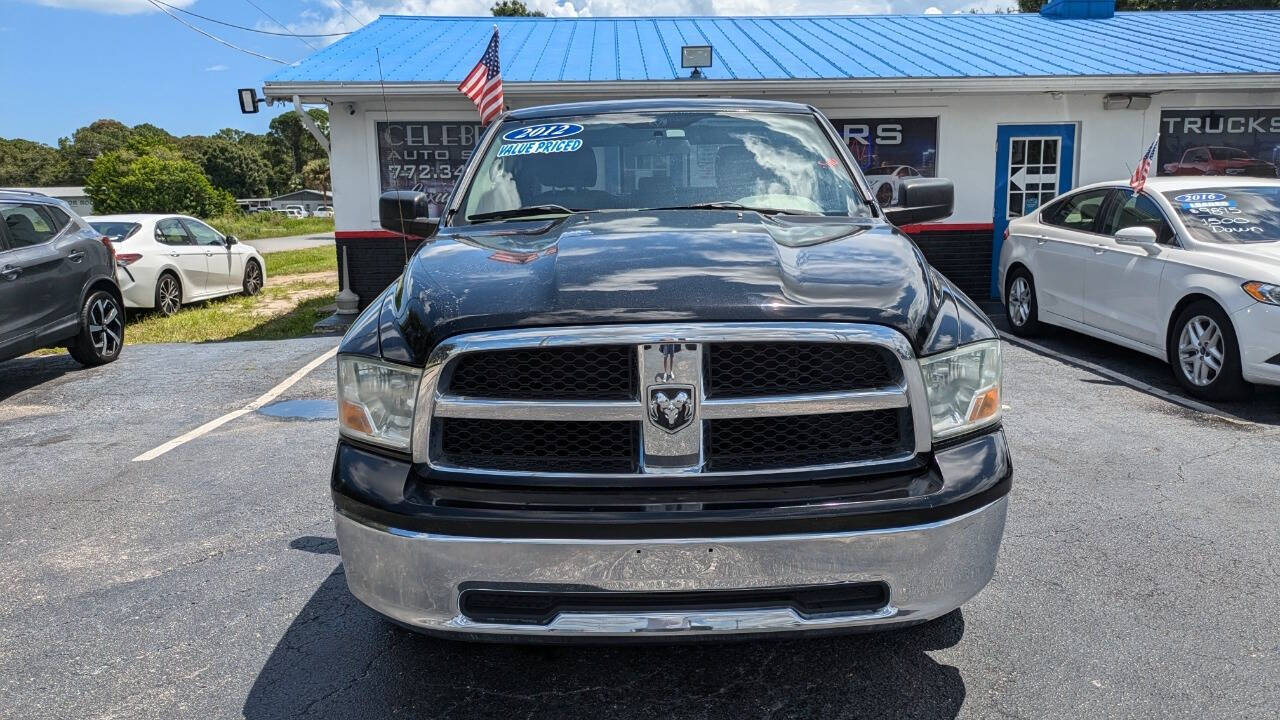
<point x="946" y="227"/>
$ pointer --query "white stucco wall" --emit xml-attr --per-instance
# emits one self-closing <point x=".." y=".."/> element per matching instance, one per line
<point x="1109" y="142"/>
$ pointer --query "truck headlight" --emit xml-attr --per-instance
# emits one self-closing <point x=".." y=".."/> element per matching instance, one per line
<point x="1263" y="292"/>
<point x="375" y="401"/>
<point x="963" y="388"/>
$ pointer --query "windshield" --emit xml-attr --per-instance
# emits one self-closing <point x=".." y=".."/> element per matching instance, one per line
<point x="1226" y="153"/>
<point x="1231" y="214"/>
<point x="115" y="231"/>
<point x="775" y="161"/>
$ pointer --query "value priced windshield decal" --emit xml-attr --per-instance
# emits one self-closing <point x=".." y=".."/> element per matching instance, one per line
<point x="540" y="147"/>
<point x="549" y="131"/>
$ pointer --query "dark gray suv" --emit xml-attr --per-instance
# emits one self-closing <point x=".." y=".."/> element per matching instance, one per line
<point x="57" y="282"/>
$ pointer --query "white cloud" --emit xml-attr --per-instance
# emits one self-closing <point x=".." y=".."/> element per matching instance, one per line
<point x="216" y="68"/>
<point x="114" y="7"/>
<point x="932" y="11"/>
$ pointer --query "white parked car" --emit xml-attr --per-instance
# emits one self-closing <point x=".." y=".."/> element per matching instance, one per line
<point x="165" y="261"/>
<point x="324" y="211"/>
<point x="886" y="179"/>
<point x="1187" y="270"/>
<point x="295" y="211"/>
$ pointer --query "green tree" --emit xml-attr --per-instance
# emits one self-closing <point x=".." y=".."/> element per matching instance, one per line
<point x="290" y="142"/>
<point x="514" y="8"/>
<point x="1035" y="5"/>
<point x="86" y="144"/>
<point x="315" y="175"/>
<point x="161" y="181"/>
<point x="237" y="168"/>
<point x="24" y="162"/>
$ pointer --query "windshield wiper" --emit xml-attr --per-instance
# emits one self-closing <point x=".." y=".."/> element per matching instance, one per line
<point x="526" y="211"/>
<point x="731" y="205"/>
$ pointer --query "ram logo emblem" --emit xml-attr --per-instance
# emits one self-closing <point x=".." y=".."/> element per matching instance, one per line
<point x="671" y="407"/>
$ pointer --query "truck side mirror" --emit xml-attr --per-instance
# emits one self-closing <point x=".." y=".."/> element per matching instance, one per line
<point x="922" y="200"/>
<point x="405" y="212"/>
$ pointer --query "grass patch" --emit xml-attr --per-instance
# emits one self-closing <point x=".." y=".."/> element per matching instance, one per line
<point x="269" y="225"/>
<point x="295" y="262"/>
<point x="232" y="318"/>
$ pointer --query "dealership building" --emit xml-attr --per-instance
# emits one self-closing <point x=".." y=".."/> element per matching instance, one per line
<point x="1014" y="108"/>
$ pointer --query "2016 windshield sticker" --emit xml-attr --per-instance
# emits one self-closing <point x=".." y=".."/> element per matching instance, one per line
<point x="540" y="147"/>
<point x="548" y="131"/>
<point x="1203" y="200"/>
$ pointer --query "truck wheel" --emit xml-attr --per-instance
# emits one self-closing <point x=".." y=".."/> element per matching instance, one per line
<point x="168" y="294"/>
<point x="1020" y="303"/>
<point x="101" y="330"/>
<point x="1205" y="354"/>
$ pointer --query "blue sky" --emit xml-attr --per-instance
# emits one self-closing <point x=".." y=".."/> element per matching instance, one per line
<point x="79" y="60"/>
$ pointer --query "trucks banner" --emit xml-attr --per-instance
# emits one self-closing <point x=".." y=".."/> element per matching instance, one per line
<point x="1220" y="141"/>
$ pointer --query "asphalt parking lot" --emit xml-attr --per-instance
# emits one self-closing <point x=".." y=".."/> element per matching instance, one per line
<point x="1138" y="577"/>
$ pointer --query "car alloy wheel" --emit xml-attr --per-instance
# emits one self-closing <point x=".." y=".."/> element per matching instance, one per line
<point x="106" y="326"/>
<point x="1019" y="303"/>
<point x="1201" y="350"/>
<point x="170" y="295"/>
<point x="884" y="195"/>
<point x="252" y="278"/>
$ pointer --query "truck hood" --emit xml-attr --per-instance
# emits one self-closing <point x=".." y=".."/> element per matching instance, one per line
<point x="667" y="266"/>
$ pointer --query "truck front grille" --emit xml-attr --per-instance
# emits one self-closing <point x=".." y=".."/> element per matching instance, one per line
<point x="768" y="443"/>
<point x="644" y="401"/>
<point x="569" y="446"/>
<point x="588" y="372"/>
<point x="756" y="369"/>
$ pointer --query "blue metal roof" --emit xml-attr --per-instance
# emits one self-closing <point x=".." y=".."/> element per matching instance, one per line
<point x="546" y="50"/>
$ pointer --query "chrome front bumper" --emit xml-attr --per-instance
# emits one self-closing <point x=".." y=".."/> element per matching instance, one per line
<point x="416" y="578"/>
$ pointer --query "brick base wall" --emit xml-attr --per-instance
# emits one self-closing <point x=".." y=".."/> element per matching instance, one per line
<point x="962" y="253"/>
<point x="376" y="261"/>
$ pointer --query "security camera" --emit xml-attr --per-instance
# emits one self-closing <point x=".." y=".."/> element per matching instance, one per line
<point x="351" y="108"/>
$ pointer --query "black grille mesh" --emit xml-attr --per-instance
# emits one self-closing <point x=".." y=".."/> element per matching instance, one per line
<point x="590" y="372"/>
<point x="758" y="369"/>
<point x="779" y="442"/>
<point x="539" y="445"/>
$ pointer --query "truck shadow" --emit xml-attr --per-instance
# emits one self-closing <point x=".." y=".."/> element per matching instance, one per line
<point x="1141" y="372"/>
<point x="340" y="660"/>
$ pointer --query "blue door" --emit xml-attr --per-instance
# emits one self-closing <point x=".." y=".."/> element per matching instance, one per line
<point x="1034" y="164"/>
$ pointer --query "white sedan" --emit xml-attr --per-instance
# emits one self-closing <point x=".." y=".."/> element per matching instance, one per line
<point x="1188" y="270"/>
<point x="165" y="261"/>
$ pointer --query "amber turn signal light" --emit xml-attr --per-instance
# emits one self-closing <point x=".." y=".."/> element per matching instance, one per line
<point x="985" y="404"/>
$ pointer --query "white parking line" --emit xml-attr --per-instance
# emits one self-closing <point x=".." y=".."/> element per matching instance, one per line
<point x="263" y="399"/>
<point x="1123" y="379"/>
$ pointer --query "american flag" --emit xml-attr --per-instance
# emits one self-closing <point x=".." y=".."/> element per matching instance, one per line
<point x="484" y="83"/>
<point x="1139" y="179"/>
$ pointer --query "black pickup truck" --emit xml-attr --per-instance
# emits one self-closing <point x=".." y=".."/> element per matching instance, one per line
<point x="664" y="369"/>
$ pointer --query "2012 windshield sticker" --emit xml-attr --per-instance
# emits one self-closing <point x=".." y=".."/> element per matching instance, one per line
<point x="546" y="131"/>
<point x="540" y="147"/>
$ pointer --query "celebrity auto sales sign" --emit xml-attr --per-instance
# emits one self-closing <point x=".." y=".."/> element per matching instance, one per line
<point x="424" y="156"/>
<point x="1220" y="141"/>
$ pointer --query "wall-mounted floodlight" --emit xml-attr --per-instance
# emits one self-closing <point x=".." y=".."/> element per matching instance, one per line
<point x="696" y="57"/>
<point x="249" y="100"/>
<point x="1125" y="101"/>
